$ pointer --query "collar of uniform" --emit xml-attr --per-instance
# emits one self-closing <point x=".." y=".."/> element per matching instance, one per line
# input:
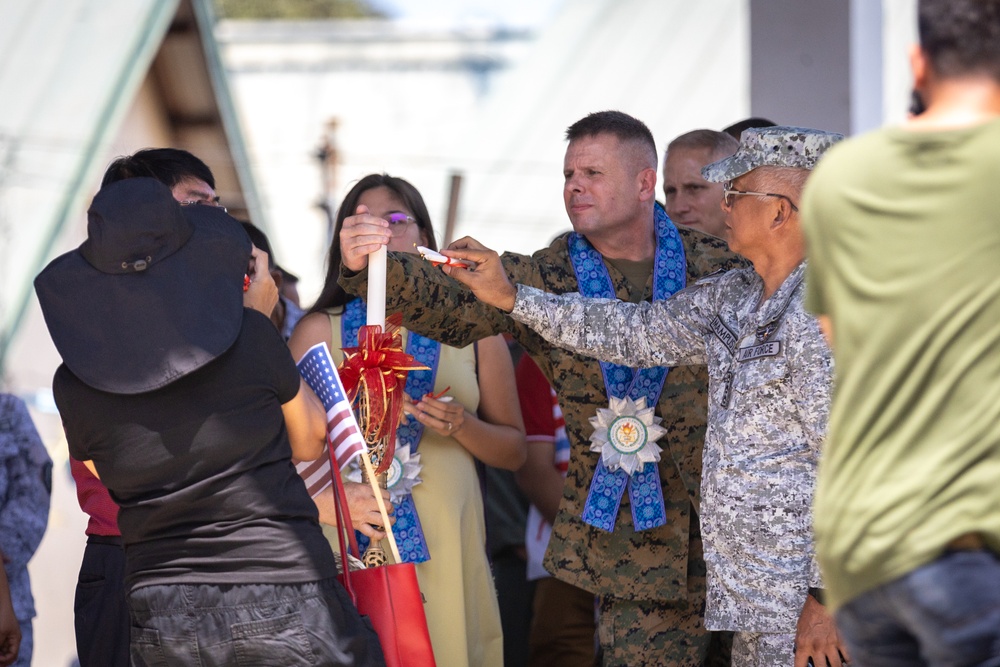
<point x="774" y="308"/>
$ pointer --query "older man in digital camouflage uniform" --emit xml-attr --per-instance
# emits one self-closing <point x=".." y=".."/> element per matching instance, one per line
<point x="770" y="376"/>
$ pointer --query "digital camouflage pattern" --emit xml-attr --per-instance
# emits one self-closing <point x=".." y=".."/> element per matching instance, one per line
<point x="770" y="375"/>
<point x="778" y="146"/>
<point x="756" y="649"/>
<point x="650" y="565"/>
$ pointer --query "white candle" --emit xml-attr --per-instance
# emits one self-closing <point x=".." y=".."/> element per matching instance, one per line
<point x="376" y="288"/>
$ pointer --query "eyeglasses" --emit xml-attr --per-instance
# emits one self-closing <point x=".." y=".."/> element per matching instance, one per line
<point x="214" y="203"/>
<point x="398" y="222"/>
<point x="400" y="219"/>
<point x="728" y="194"/>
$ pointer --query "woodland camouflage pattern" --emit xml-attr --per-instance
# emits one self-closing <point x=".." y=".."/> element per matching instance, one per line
<point x="653" y="565"/>
<point x="763" y="437"/>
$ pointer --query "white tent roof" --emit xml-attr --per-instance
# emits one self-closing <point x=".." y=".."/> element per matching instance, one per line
<point x="422" y="103"/>
<point x="675" y="65"/>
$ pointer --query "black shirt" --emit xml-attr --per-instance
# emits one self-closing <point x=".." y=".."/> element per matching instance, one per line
<point x="202" y="469"/>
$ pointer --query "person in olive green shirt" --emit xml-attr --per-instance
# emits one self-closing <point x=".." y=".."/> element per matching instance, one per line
<point x="904" y="269"/>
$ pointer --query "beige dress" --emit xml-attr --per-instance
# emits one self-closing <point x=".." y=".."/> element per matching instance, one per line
<point x="462" y="611"/>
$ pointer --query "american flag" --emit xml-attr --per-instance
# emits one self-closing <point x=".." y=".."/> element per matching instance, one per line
<point x="343" y="435"/>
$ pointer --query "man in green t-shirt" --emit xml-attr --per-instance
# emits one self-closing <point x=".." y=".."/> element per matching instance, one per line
<point x="904" y="249"/>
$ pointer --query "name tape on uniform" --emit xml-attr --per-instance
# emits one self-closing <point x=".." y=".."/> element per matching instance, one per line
<point x="771" y="349"/>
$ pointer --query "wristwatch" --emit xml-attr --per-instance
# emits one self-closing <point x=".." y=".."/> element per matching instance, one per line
<point x="818" y="594"/>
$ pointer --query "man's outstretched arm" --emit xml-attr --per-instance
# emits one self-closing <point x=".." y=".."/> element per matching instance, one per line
<point x="664" y="333"/>
<point x="432" y="303"/>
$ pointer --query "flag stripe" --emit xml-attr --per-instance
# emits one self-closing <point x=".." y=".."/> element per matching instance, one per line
<point x="343" y="434"/>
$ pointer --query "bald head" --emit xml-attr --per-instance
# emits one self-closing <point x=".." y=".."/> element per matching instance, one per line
<point x="716" y="143"/>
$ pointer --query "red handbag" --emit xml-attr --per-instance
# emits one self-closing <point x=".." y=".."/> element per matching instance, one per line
<point x="388" y="595"/>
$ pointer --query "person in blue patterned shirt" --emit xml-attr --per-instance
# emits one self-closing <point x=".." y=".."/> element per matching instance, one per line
<point x="25" y="489"/>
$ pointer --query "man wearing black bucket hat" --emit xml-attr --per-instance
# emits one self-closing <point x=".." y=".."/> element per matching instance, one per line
<point x="101" y="615"/>
<point x="190" y="407"/>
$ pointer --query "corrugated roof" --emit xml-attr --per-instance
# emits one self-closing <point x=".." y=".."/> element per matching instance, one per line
<point x="70" y="73"/>
<point x="67" y="75"/>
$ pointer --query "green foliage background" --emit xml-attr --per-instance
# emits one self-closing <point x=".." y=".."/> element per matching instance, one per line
<point x="297" y="9"/>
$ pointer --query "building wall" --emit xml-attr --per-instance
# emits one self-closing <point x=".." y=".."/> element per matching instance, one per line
<point x="800" y="63"/>
<point x="840" y="66"/>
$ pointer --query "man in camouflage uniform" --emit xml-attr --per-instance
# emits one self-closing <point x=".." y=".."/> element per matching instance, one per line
<point x="651" y="583"/>
<point x="688" y="198"/>
<point x="770" y="375"/>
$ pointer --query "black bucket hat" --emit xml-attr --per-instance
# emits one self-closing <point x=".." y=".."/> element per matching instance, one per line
<point x="154" y="293"/>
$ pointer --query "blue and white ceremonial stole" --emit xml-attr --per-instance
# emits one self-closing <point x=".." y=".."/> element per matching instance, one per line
<point x="626" y="435"/>
<point x="402" y="474"/>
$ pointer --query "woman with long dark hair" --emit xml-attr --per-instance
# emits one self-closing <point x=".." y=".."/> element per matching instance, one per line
<point x="465" y="408"/>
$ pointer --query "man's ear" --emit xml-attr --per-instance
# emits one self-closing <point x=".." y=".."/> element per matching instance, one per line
<point x="782" y="213"/>
<point x="647" y="184"/>
<point x="919" y="66"/>
<point x="278" y="277"/>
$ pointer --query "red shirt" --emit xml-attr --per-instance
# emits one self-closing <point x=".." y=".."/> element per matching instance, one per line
<point x="95" y="501"/>
<point x="543" y="419"/>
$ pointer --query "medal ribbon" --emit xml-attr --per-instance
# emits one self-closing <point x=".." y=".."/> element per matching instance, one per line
<point x="644" y="487"/>
<point x="407" y="530"/>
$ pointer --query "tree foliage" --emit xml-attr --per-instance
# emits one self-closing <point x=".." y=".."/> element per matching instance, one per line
<point x="297" y="9"/>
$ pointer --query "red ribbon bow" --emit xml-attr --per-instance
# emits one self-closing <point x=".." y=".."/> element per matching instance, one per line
<point x="376" y="371"/>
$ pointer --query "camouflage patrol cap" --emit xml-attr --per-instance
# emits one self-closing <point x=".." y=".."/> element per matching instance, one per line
<point x="777" y="146"/>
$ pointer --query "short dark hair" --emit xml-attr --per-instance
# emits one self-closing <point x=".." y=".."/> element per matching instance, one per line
<point x="621" y="125"/>
<point x="259" y="239"/>
<point x="170" y="166"/>
<point x="961" y="37"/>
<point x="717" y="143"/>
<point x="333" y="294"/>
<point x="736" y="129"/>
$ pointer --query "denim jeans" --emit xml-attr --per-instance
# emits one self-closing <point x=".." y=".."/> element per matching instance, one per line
<point x="944" y="614"/>
<point x="252" y="624"/>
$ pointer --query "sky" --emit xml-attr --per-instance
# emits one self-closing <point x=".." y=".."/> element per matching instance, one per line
<point x="508" y="13"/>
